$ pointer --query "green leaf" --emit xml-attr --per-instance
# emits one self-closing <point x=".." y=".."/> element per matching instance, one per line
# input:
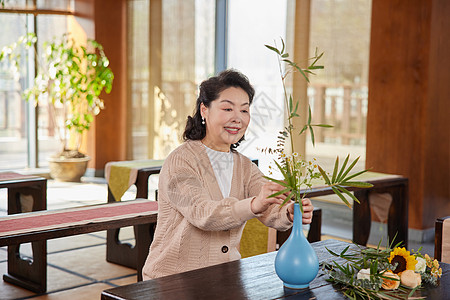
<point x="312" y="134"/>
<point x="277" y="181"/>
<point x="282" y="45"/>
<point x="324" y="175"/>
<point x="296" y="107"/>
<point x="323" y="125"/>
<point x="349" y="168"/>
<point x="290" y="103"/>
<point x="303" y="130"/>
<point x="354" y="175"/>
<point x="273" y="49"/>
<point x="292" y="194"/>
<point x="358" y="184"/>
<point x="336" y="166"/>
<point x="309" y="115"/>
<point x="332" y="252"/>
<point x="338" y="179"/>
<point x="280" y="192"/>
<point x="344" y="190"/>
<point x="339" y="194"/>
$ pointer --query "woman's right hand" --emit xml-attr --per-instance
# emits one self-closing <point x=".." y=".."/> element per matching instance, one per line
<point x="261" y="202"/>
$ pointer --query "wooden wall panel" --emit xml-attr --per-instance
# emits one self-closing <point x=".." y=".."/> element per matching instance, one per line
<point x="406" y="113"/>
<point x="108" y="135"/>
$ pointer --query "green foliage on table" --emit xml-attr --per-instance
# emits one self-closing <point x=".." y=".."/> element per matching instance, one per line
<point x="298" y="173"/>
<point x="344" y="274"/>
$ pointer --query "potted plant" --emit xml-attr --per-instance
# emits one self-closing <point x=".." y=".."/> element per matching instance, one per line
<point x="70" y="79"/>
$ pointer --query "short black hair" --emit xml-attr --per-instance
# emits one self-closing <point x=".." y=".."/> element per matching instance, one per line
<point x="209" y="91"/>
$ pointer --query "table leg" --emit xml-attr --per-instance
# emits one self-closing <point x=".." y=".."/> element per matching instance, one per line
<point x="398" y="215"/>
<point x="144" y="234"/>
<point x="361" y="218"/>
<point x="30" y="273"/>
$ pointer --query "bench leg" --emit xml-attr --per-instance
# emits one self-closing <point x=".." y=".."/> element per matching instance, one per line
<point x="117" y="252"/>
<point x="126" y="255"/>
<point x="27" y="273"/>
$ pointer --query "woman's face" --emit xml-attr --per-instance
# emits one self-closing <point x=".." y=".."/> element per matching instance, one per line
<point x="226" y="119"/>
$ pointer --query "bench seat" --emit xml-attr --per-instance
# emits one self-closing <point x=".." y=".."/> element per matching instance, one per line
<point x="44" y="225"/>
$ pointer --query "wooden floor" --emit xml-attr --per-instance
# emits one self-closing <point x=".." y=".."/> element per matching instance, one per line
<point x="77" y="268"/>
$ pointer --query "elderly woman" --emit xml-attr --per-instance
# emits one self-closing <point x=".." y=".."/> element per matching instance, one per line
<point x="208" y="190"/>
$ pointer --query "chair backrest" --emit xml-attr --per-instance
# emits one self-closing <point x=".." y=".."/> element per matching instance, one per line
<point x="442" y="240"/>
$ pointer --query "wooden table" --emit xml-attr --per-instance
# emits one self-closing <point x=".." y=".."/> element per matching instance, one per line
<point x="249" y="278"/>
<point x="36" y="187"/>
<point x="396" y="186"/>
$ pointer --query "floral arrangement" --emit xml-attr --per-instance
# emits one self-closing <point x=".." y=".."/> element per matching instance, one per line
<point x="298" y="173"/>
<point x="391" y="273"/>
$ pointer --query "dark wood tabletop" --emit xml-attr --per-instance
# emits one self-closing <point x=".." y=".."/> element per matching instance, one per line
<point x="249" y="278"/>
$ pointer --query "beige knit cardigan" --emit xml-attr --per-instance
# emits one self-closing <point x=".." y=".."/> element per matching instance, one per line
<point x="196" y="226"/>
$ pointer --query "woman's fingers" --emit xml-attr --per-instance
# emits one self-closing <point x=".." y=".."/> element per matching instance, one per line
<point x="307" y="211"/>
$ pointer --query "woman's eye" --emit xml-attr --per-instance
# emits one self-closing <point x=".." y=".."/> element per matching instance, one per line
<point x="227" y="109"/>
<point x="245" y="111"/>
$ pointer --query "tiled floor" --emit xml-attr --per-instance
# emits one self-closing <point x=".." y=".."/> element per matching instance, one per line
<point x="77" y="268"/>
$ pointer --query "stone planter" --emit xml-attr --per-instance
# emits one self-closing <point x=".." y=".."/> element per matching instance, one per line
<point x="68" y="169"/>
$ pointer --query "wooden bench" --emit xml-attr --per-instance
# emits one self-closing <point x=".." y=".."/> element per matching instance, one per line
<point x="25" y="193"/>
<point x="44" y="225"/>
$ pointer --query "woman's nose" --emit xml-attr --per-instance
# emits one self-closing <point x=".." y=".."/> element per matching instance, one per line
<point x="237" y="118"/>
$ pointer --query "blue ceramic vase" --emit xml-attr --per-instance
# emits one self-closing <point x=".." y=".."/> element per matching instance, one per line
<point x="296" y="263"/>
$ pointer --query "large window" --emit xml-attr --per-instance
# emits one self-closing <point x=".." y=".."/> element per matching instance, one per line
<point x="247" y="35"/>
<point x="27" y="135"/>
<point x="13" y="110"/>
<point x="338" y="94"/>
<point x="171" y="52"/>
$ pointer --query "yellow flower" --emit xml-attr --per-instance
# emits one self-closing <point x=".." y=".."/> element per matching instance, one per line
<point x="404" y="260"/>
<point x="390" y="284"/>
<point x="436" y="272"/>
<point x="429" y="261"/>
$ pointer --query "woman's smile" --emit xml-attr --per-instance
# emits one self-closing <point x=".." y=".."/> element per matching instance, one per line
<point x="232" y="130"/>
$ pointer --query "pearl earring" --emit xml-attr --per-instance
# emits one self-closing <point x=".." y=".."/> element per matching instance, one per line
<point x="203" y="121"/>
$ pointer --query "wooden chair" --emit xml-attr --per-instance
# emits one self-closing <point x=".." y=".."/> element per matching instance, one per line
<point x="442" y="240"/>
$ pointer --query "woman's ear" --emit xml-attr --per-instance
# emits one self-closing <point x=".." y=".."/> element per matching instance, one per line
<point x="203" y="110"/>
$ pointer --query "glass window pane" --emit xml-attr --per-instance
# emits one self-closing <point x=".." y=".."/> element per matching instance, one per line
<point x="62" y="5"/>
<point x="48" y="27"/>
<point x="247" y="36"/>
<point x="338" y="94"/>
<point x="13" y="120"/>
<point x="18" y="4"/>
<point x="185" y="58"/>
<point x="138" y="62"/>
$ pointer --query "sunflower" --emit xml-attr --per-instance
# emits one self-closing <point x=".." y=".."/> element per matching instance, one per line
<point x="404" y="260"/>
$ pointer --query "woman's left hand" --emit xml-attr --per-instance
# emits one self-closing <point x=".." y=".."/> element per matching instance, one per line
<point x="307" y="211"/>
